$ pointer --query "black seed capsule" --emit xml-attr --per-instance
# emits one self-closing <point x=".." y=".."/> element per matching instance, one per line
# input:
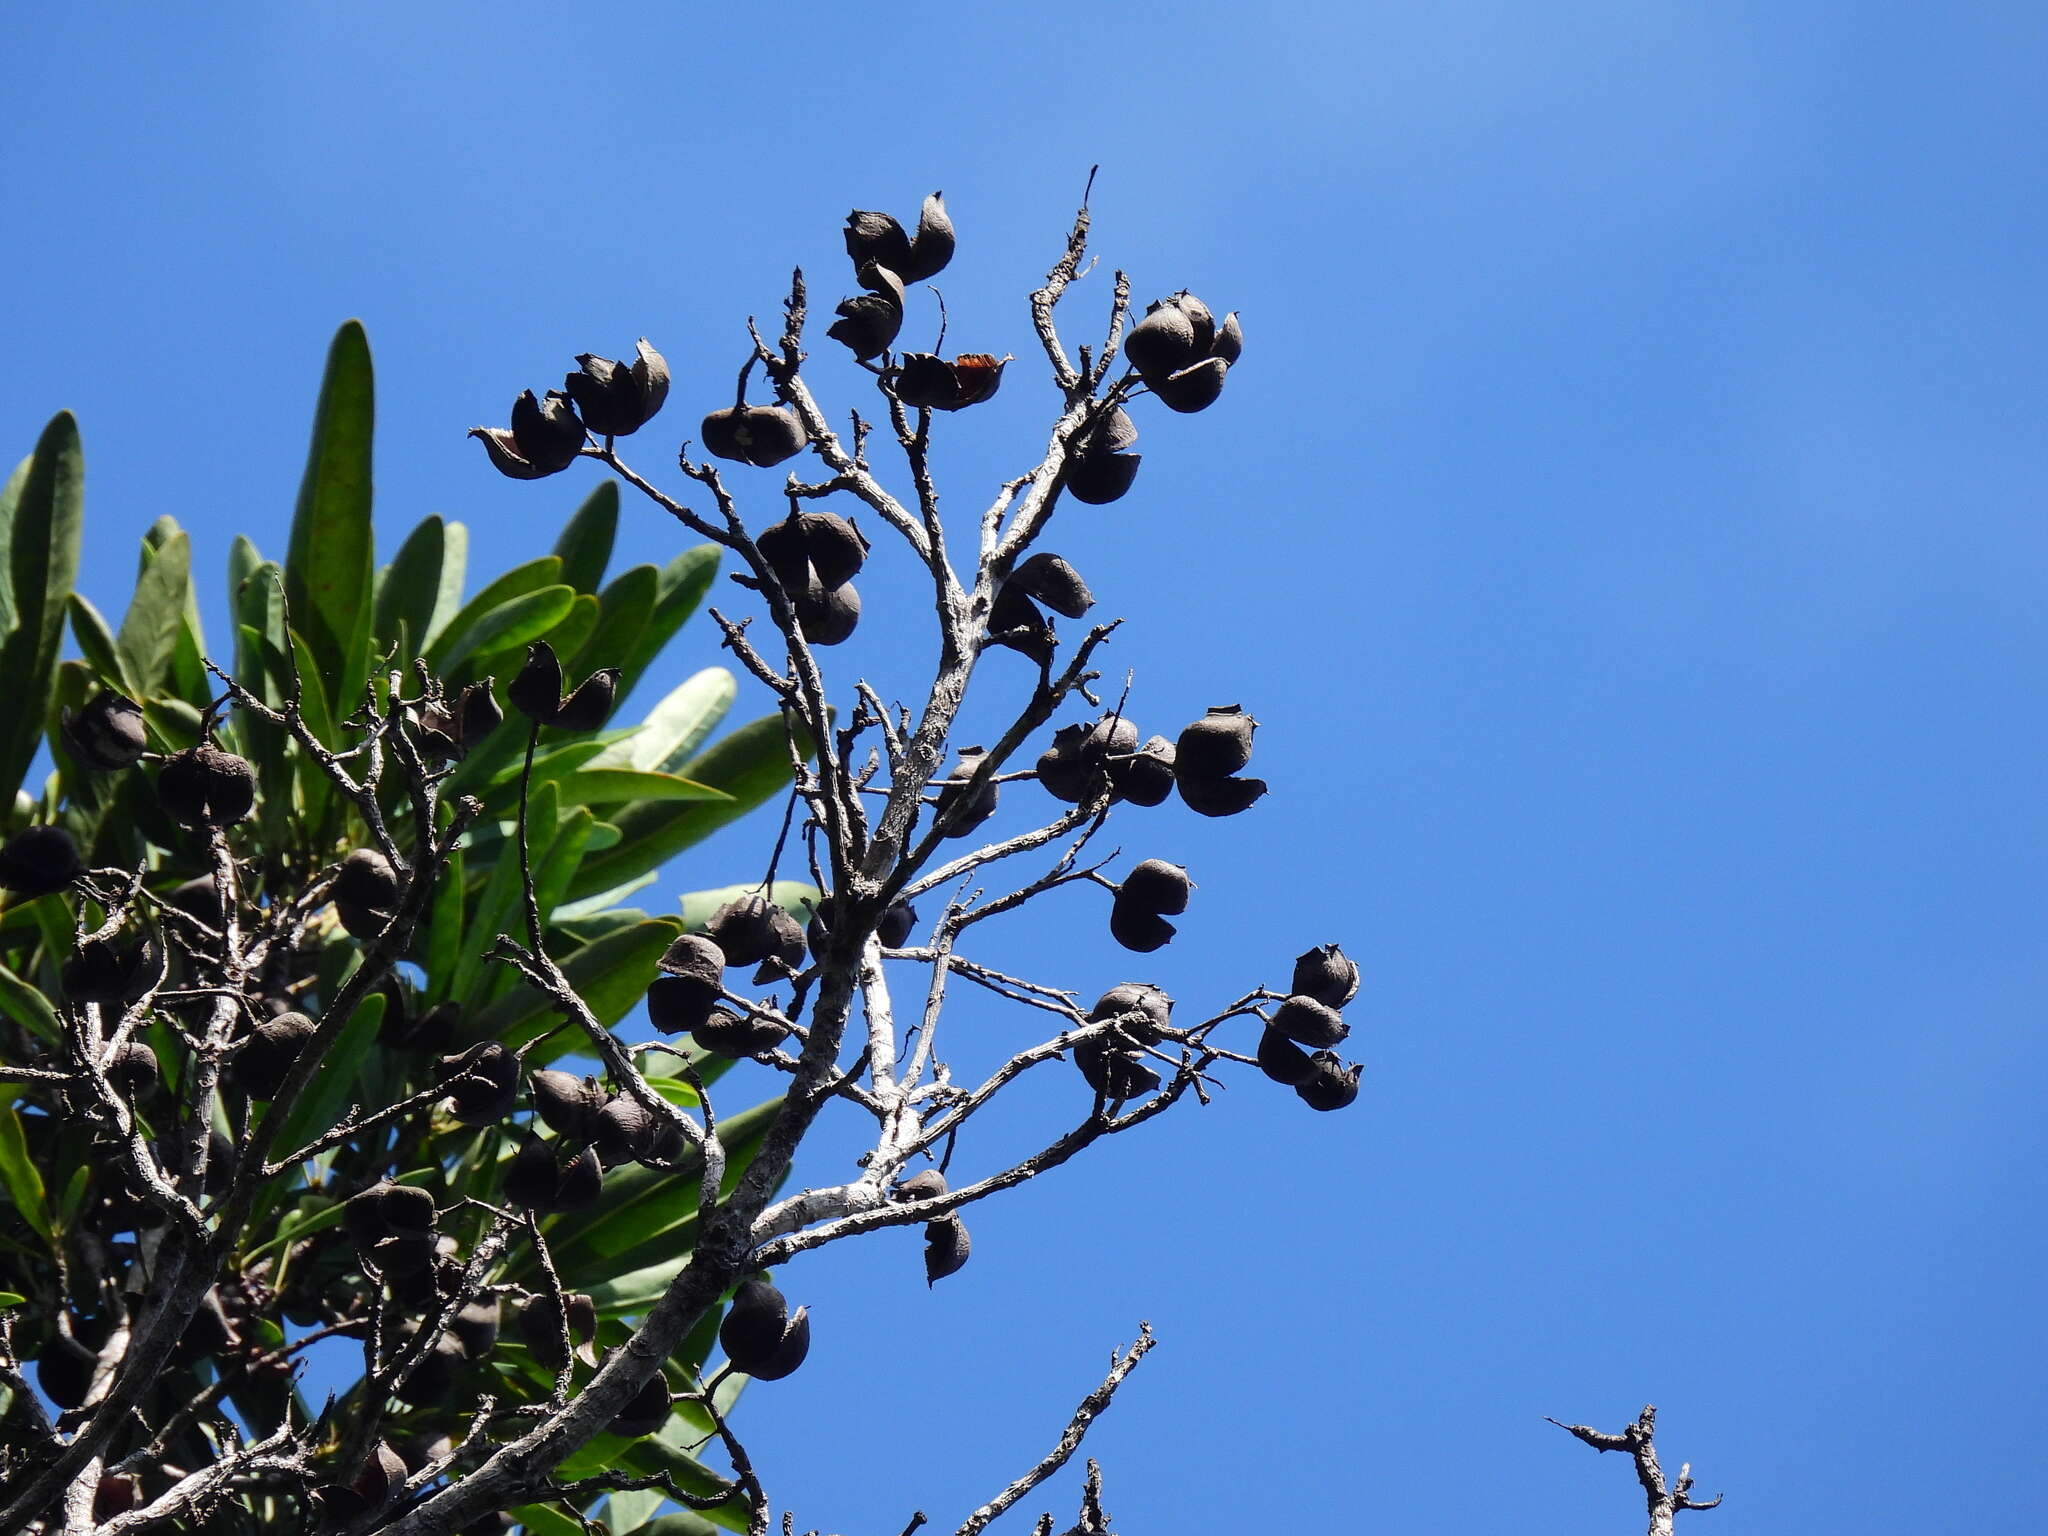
<point x="108" y="733"/>
<point x="1326" y="974"/>
<point x="876" y="239"/>
<point x="932" y="246"/>
<point x="897" y="922"/>
<point x="367" y="879"/>
<point x="693" y="956"/>
<point x="260" y="1067"/>
<point x="1098" y="479"/>
<point x="624" y="1130"/>
<point x="198" y="898"/>
<point x="828" y="615"/>
<point x="1229" y="342"/>
<point x="746" y="931"/>
<point x="927" y="1185"/>
<point x="790" y="1353"/>
<point x="544" y="439"/>
<point x="590" y="705"/>
<point x="1157" y="886"/>
<point x="1332" y="1085"/>
<point x="538" y="1327"/>
<point x="946" y="1246"/>
<point x="1310" y="1022"/>
<point x="679" y="1003"/>
<point x="537" y="690"/>
<point x="1146" y="776"/>
<point x="1193" y="389"/>
<point x="1282" y="1060"/>
<point x="760" y="435"/>
<point x="1116" y="1075"/>
<point x="645" y="1411"/>
<point x="487" y="1088"/>
<point x="64" y="1371"/>
<point x="1054" y="583"/>
<point x="1014" y="621"/>
<point x="1162" y="343"/>
<point x="111" y="970"/>
<point x="1146" y="1011"/>
<point x="754" y="1325"/>
<point x="867" y="323"/>
<point x="1136" y="929"/>
<point x="582" y="1182"/>
<point x="206" y="787"/>
<point x="1218" y="797"/>
<point x="782" y="546"/>
<point x="480" y="712"/>
<point x="835" y="546"/>
<point x="567" y="1104"/>
<point x="959" y="811"/>
<point x="1067" y="770"/>
<point x="532" y="1178"/>
<point x="1218" y="744"/>
<point x="725" y="1033"/>
<point x="476" y="1325"/>
<point x="616" y="398"/>
<point x="133" y="1068"/>
<point x="381" y="1478"/>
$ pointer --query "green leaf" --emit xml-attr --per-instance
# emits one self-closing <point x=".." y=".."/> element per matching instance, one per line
<point x="42" y="515"/>
<point x="148" y="641"/>
<point x="546" y="1520"/>
<point x="11" y="1299"/>
<point x="751" y="764"/>
<point x="567" y="638"/>
<point x="90" y="630"/>
<point x="19" y="1174"/>
<point x="188" y="676"/>
<point x="684" y="581"/>
<point x="796" y="897"/>
<point x="611" y="975"/>
<point x="517" y="582"/>
<point x="677" y="726"/>
<point x="441" y="944"/>
<point x="454" y="565"/>
<point x="679" y="1522"/>
<point x="331" y="558"/>
<point x="409" y="588"/>
<point x="514" y="623"/>
<point x="585" y="546"/>
<point x="334" y="1085"/>
<point x="27" y="1006"/>
<point x="609" y="786"/>
<point x="497" y="910"/>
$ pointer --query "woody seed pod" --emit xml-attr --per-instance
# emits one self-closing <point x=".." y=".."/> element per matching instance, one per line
<point x="367" y="879"/>
<point x="538" y="1327"/>
<point x="533" y="1177"/>
<point x="1014" y="621"/>
<point x="1157" y="886"/>
<point x="725" y="1033"/>
<point x="107" y="734"/>
<point x="437" y="1372"/>
<point x="927" y="1185"/>
<point x="679" y="1003"/>
<point x="1326" y="974"/>
<point x="1066" y="770"/>
<point x="693" y="956"/>
<point x="1229" y="342"/>
<point x="1054" y="583"/>
<point x="946" y="1246"/>
<point x="760" y="435"/>
<point x="567" y="1104"/>
<point x="960" y="812"/>
<point x="790" y="1353"/>
<point x="868" y="322"/>
<point x="1193" y="389"/>
<point x="828" y="614"/>
<point x="111" y="971"/>
<point x="928" y="382"/>
<point x="1218" y="744"/>
<point x="1332" y="1085"/>
<point x="754" y="1325"/>
<point x="1100" y="478"/>
<point x="746" y="931"/>
<point x="1310" y="1022"/>
<point x="582" y="1182"/>
<point x="1163" y="343"/>
<point x="1146" y="776"/>
<point x="476" y="1325"/>
<point x="1282" y="1060"/>
<point x="782" y="546"/>
<point x="932" y="247"/>
<point x="206" y="787"/>
<point x="198" y="898"/>
<point x="481" y="714"/>
<point x="387" y="1208"/>
<point x="383" y="1475"/>
<point x="1152" y="1007"/>
<point x="624" y="1129"/>
<point x="876" y="239"/>
<point x="260" y="1067"/>
<point x="645" y="1411"/>
<point x="1218" y="797"/>
<point x="487" y="1088"/>
<point x="64" y="1371"/>
<point x="891" y="931"/>
<point x="1116" y="1075"/>
<point x="1136" y="929"/>
<point x="537" y="690"/>
<point x="544" y="439"/>
<point x="590" y="705"/>
<point x="132" y="1067"/>
<point x="616" y="398"/>
<point x="836" y="548"/>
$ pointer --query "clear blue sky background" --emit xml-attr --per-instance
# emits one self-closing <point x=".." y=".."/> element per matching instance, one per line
<point x="1626" y="522"/>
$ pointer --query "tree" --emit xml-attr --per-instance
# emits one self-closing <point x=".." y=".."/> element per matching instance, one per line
<point x="295" y="1074"/>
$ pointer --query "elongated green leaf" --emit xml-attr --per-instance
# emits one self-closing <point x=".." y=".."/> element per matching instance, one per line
<point x="684" y="581"/>
<point x="751" y="764"/>
<point x="585" y="546"/>
<point x="546" y="1520"/>
<point x="331" y="557"/>
<point x="148" y="641"/>
<point x="624" y="610"/>
<point x="10" y="500"/>
<point x="43" y="516"/>
<point x="517" y="582"/>
<point x="19" y="1174"/>
<point x="508" y="626"/>
<point x="27" y="1006"/>
<point x="609" y="786"/>
<point x="497" y="909"/>
<point x="677" y="726"/>
<point x="409" y="588"/>
<point x="90" y="630"/>
<point x="188" y="677"/>
<point x="611" y="975"/>
<point x="567" y="638"/>
<point x="796" y="897"/>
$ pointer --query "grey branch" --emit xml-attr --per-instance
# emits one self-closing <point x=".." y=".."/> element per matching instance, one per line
<point x="1664" y="1500"/>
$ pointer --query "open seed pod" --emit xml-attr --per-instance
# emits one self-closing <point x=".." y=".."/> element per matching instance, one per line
<point x="760" y="435"/>
<point x="488" y="1087"/>
<point x="931" y="248"/>
<point x="113" y="1496"/>
<point x="1097" y="479"/>
<point x="476" y="1325"/>
<point x="366" y="878"/>
<point x="1054" y="583"/>
<point x="1116" y="1075"/>
<point x="1282" y="1060"/>
<point x="834" y="545"/>
<point x="920" y="1186"/>
<point x="381" y="1478"/>
<point x="645" y="1411"/>
<point x="589" y="705"/>
<point x="544" y="439"/>
<point x="790" y="1353"/>
<point x="749" y="929"/>
<point x="386" y="1209"/>
<point x="1014" y="621"/>
<point x="566" y="1103"/>
<point x="928" y="382"/>
<point x="829" y="615"/>
<point x="112" y="970"/>
<point x="1165" y="341"/>
<point x="1193" y="389"/>
<point x="107" y="734"/>
<point x="1144" y="777"/>
<point x="439" y="1369"/>
<point x="946" y="1247"/>
<point x="1326" y="974"/>
<point x="1157" y="886"/>
<point x="868" y="322"/>
<point x="539" y="1328"/>
<point x="876" y="239"/>
<point x="1310" y="1022"/>
<point x="616" y="398"/>
<point x="959" y="811"/>
<point x="725" y="1033"/>
<point x="1137" y="929"/>
<point x="1145" y="1012"/>
<point x="1332" y="1085"/>
<point x="1218" y="797"/>
<point x="676" y="1004"/>
<point x="754" y="1325"/>
<point x="536" y="690"/>
<point x="206" y="787"/>
<point x="265" y="1059"/>
<point x="1067" y="770"/>
<point x="624" y="1130"/>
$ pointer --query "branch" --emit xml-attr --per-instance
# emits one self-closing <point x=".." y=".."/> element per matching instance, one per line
<point x="1639" y="1440"/>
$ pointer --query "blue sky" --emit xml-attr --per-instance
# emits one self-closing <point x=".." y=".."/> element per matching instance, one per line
<point x="1625" y="523"/>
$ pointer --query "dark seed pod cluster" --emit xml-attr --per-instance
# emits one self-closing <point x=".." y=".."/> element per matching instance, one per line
<point x="567" y="1104"/>
<point x="539" y="1326"/>
<point x="928" y="382"/>
<point x="868" y="322"/>
<point x="1054" y="583"/>
<point x="1207" y="758"/>
<point x="132" y="1067"/>
<point x="1152" y="892"/>
<point x="449" y="728"/>
<point x="1088" y="760"/>
<point x="753" y="930"/>
<point x="617" y="398"/>
<point x="816" y="555"/>
<point x="206" y="787"/>
<point x="1114" y="1073"/>
<point x="688" y="988"/>
<point x="1325" y="979"/>
<point x="544" y="439"/>
<point x="928" y="1185"/>
<point x="1099" y="467"/>
<point x="1182" y="353"/>
<point x="760" y="1337"/>
<point x="946" y="1247"/>
<point x="366" y="891"/>
<point x="645" y="1411"/>
<point x="266" y="1058"/>
<point x="537" y="692"/>
<point x="392" y="1227"/>
<point x="546" y="436"/>
<point x="116" y="969"/>
<point x="1015" y="622"/>
<point x="735" y="1036"/>
<point x="960" y="808"/>
<point x="1143" y="1013"/>
<point x="488" y="1087"/>
<point x="107" y="734"/>
<point x="538" y="1181"/>
<point x="877" y="239"/>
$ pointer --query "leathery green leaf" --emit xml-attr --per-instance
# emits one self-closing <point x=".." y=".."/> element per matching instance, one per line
<point x="42" y="516"/>
<point x="18" y="1172"/>
<point x="409" y="588"/>
<point x="611" y="974"/>
<point x="148" y="641"/>
<point x="585" y="546"/>
<point x="330" y="560"/>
